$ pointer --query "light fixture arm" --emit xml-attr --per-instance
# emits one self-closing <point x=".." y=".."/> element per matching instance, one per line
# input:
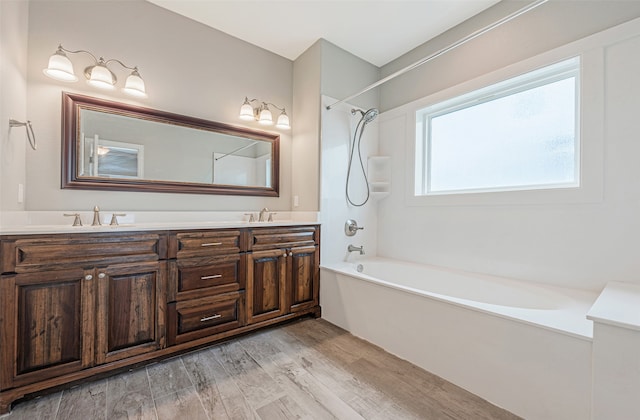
<point x="275" y="106"/>
<point x="61" y="48"/>
<point x="134" y="68"/>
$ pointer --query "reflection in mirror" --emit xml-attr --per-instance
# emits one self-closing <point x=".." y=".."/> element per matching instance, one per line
<point x="117" y="146"/>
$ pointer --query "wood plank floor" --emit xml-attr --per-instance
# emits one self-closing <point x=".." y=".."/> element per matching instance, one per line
<point x="309" y="369"/>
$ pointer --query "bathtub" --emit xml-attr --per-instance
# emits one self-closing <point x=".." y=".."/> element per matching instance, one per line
<point x="521" y="346"/>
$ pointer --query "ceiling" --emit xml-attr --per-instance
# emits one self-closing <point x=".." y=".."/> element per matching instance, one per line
<point x="377" y="31"/>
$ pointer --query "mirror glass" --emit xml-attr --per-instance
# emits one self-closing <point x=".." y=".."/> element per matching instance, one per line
<point x="109" y="145"/>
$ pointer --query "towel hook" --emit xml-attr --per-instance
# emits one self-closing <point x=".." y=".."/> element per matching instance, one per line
<point x="27" y="125"/>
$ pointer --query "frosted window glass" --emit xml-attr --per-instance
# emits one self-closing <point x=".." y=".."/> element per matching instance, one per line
<point x="521" y="140"/>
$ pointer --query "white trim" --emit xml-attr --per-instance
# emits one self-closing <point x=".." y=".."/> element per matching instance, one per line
<point x="555" y="72"/>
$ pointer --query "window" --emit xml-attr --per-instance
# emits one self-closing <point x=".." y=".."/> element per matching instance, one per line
<point x="518" y="134"/>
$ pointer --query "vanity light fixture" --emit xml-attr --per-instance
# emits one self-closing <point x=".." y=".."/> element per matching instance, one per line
<point x="262" y="113"/>
<point x="98" y="74"/>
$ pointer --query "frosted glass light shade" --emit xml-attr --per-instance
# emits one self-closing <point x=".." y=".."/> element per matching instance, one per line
<point x="265" y="117"/>
<point x="246" y="112"/>
<point x="134" y="85"/>
<point x="283" y="121"/>
<point x="101" y="77"/>
<point x="60" y="68"/>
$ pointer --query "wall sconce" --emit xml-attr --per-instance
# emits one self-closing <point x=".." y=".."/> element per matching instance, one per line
<point x="262" y="113"/>
<point x="98" y="74"/>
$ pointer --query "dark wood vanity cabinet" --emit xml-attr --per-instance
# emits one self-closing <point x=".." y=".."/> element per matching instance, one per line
<point x="206" y="284"/>
<point x="283" y="272"/>
<point x="73" y="306"/>
<point x="64" y="310"/>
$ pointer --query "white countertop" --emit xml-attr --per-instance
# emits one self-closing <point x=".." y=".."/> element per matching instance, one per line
<point x="32" y="223"/>
<point x="618" y="305"/>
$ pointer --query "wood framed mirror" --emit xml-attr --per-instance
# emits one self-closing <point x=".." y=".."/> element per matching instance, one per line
<point x="114" y="146"/>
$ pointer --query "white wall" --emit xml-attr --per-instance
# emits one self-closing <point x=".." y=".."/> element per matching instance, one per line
<point x="582" y="243"/>
<point x="13" y="87"/>
<point x="188" y="68"/>
<point x="338" y="126"/>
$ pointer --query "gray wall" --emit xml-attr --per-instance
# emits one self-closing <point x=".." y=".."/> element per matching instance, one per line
<point x="324" y="69"/>
<point x="550" y="25"/>
<point x="188" y="69"/>
<point x="13" y="104"/>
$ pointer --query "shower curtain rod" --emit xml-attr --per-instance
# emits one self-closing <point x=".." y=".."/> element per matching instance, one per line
<point x="445" y="50"/>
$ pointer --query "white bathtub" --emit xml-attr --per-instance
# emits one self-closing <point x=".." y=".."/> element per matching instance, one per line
<point x="524" y="347"/>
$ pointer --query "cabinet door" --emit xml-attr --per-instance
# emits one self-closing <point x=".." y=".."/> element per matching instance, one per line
<point x="266" y="285"/>
<point x="305" y="277"/>
<point x="131" y="310"/>
<point x="46" y="324"/>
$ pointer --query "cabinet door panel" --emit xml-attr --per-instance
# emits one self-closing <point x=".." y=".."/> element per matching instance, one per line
<point x="131" y="302"/>
<point x="266" y="283"/>
<point x="304" y="277"/>
<point x="49" y="325"/>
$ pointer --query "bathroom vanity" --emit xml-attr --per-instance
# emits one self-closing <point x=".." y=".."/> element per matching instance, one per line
<point x="79" y="305"/>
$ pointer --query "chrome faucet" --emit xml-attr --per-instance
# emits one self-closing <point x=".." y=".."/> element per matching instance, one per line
<point x="262" y="213"/>
<point x="96" y="217"/>
<point x="359" y="249"/>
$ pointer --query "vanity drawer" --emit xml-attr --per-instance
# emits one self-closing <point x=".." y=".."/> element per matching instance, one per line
<point x="79" y="250"/>
<point x="197" y="318"/>
<point x="196" y="277"/>
<point x="201" y="244"/>
<point x="270" y="238"/>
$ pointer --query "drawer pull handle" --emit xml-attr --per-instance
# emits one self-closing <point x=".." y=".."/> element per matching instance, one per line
<point x="215" y="276"/>
<point x="209" y="318"/>
<point x="211" y="244"/>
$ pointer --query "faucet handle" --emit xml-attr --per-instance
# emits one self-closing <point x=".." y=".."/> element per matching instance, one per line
<point x="76" y="220"/>
<point x="271" y="216"/>
<point x="114" y="218"/>
<point x="96" y="217"/>
<point x="252" y="217"/>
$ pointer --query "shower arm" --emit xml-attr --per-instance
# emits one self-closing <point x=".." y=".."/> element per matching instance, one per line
<point x="443" y="51"/>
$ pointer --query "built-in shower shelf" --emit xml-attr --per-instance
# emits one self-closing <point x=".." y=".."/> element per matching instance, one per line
<point x="379" y="195"/>
<point x="379" y="174"/>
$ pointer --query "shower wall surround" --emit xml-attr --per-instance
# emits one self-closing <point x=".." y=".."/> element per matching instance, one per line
<point x="578" y="243"/>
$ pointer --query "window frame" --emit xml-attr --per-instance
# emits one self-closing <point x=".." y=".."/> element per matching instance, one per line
<point x="592" y="129"/>
<point x="543" y="76"/>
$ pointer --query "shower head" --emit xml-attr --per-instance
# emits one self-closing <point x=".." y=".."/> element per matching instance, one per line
<point x="367" y="116"/>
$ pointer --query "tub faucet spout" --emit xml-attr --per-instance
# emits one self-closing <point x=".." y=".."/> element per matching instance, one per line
<point x="359" y="249"/>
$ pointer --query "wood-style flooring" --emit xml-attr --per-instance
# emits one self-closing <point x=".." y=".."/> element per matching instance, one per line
<point x="309" y="369"/>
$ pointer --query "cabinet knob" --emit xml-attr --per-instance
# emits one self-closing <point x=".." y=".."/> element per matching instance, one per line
<point x="291" y="254"/>
<point x="101" y="275"/>
<point x="285" y="254"/>
<point x="88" y="277"/>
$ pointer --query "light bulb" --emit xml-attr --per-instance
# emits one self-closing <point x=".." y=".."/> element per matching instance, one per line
<point x="265" y="117"/>
<point x="101" y="77"/>
<point x="283" y="121"/>
<point x="246" y="111"/>
<point x="134" y="85"/>
<point x="60" y="67"/>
